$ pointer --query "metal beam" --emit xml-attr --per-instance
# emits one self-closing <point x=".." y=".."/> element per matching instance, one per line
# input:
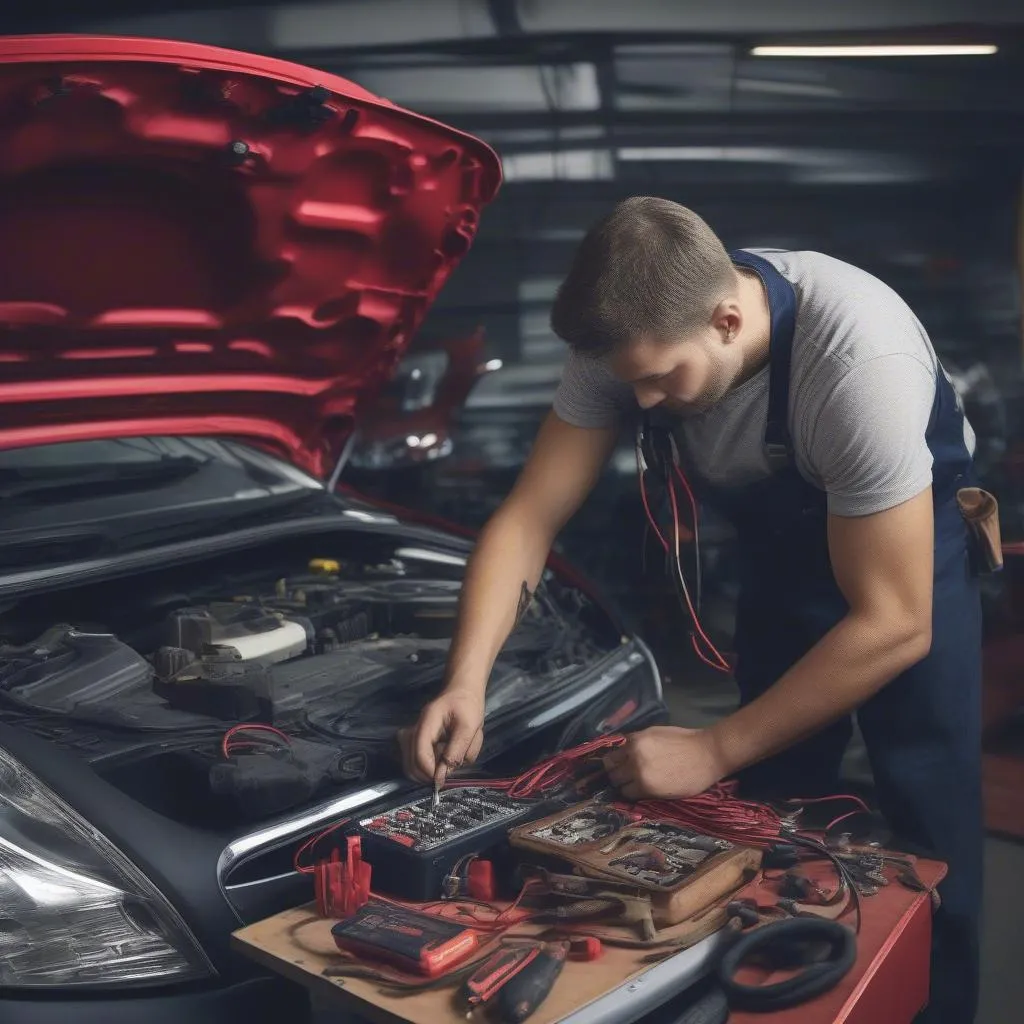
<point x="789" y="16"/>
<point x="844" y="129"/>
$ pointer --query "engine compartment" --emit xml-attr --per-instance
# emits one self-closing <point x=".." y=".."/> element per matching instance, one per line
<point x="332" y="645"/>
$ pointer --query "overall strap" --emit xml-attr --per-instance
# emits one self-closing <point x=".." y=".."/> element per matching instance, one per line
<point x="782" y="307"/>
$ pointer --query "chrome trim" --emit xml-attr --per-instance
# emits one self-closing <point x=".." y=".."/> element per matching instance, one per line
<point x="646" y="992"/>
<point x="424" y="555"/>
<point x="605" y="681"/>
<point x="239" y="849"/>
<point x="270" y="879"/>
<point x="646" y="652"/>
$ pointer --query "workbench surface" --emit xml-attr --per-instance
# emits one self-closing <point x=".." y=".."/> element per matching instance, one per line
<point x="888" y="983"/>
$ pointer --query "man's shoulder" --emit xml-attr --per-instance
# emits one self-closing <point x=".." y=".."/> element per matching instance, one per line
<point x="846" y="315"/>
<point x="807" y="268"/>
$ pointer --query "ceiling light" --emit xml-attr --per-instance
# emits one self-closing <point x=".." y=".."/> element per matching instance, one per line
<point x="895" y="50"/>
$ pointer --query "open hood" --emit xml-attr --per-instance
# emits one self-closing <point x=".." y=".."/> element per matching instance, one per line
<point x="199" y="241"/>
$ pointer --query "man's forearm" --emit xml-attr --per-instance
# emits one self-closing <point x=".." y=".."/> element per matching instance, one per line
<point x="847" y="666"/>
<point x="501" y="577"/>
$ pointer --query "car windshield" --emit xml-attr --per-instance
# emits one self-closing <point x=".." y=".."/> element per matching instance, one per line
<point x="126" y="487"/>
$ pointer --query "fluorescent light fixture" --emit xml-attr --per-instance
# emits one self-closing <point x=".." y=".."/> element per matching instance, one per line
<point x="895" y="50"/>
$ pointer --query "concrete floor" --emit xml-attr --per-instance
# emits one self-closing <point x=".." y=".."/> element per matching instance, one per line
<point x="702" y="700"/>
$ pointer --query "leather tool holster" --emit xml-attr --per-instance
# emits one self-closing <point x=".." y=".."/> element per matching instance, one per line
<point x="980" y="511"/>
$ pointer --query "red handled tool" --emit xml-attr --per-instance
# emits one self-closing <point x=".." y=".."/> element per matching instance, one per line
<point x="516" y="979"/>
<point x="531" y="985"/>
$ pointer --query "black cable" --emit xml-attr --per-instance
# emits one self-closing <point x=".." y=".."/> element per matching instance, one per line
<point x="780" y="943"/>
<point x="842" y="871"/>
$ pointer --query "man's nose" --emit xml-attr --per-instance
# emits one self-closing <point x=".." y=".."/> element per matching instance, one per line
<point x="648" y="397"/>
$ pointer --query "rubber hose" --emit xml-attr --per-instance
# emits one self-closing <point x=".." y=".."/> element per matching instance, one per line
<point x="812" y="981"/>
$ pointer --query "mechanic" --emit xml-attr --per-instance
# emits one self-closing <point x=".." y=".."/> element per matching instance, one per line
<point x="857" y="586"/>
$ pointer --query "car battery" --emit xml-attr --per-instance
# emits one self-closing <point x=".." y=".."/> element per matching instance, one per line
<point x="414" y="847"/>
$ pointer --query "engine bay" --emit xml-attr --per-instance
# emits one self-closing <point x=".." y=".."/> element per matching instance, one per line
<point x="312" y="658"/>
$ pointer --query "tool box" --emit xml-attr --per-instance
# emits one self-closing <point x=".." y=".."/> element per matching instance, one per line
<point x="414" y="848"/>
<point x="680" y="870"/>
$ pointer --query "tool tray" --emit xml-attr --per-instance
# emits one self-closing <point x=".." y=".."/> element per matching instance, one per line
<point x="682" y="871"/>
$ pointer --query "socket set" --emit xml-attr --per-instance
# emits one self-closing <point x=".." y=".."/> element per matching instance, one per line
<point x="413" y="848"/>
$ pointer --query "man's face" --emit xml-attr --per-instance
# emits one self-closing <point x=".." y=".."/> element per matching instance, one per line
<point x="686" y="377"/>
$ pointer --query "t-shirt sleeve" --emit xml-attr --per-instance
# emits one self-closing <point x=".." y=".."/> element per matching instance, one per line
<point x="868" y="445"/>
<point x="589" y="395"/>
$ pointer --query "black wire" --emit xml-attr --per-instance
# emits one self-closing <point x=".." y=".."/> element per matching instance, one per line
<point x="845" y="877"/>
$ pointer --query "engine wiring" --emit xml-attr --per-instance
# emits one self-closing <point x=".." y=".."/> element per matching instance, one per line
<point x="259" y="742"/>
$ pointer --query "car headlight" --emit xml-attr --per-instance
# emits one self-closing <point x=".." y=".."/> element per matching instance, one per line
<point x="74" y="911"/>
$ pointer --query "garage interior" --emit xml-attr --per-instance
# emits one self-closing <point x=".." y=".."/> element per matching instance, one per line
<point x="909" y="166"/>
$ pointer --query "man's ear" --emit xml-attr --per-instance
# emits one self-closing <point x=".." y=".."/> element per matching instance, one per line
<point x="727" y="319"/>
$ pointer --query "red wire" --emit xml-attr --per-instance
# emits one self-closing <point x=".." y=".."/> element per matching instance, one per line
<point x="693" y="510"/>
<point x="842" y="817"/>
<point x="308" y="869"/>
<point x="718" y="663"/>
<point x="225" y="745"/>
<point x="721" y="664"/>
<point x="686" y="484"/>
<point x="650" y="515"/>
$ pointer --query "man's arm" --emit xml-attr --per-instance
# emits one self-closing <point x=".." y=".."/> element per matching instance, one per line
<point x="513" y="547"/>
<point x="501" y="577"/>
<point x="883" y="566"/>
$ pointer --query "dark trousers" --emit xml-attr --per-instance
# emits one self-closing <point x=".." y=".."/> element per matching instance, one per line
<point x="923" y="736"/>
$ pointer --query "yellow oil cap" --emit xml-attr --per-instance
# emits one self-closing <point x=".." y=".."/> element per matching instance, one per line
<point x="326" y="566"/>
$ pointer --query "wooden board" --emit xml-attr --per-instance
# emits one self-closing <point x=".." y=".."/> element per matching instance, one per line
<point x="889" y="981"/>
<point x="298" y="945"/>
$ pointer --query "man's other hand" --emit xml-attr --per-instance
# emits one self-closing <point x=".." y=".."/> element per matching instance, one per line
<point x="664" y="762"/>
<point x="450" y="732"/>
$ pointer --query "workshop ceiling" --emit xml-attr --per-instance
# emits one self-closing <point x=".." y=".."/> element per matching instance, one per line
<point x="652" y="90"/>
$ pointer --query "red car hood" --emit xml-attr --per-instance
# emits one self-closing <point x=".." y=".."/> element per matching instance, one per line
<point x="199" y="241"/>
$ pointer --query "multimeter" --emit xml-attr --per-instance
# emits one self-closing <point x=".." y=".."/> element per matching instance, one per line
<point x="413" y="942"/>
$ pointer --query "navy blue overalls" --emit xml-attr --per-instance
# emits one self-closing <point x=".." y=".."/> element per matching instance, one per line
<point x="922" y="730"/>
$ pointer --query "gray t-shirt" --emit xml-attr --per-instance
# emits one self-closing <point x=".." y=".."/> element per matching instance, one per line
<point x="861" y="390"/>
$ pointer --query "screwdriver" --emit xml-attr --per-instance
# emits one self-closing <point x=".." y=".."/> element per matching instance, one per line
<point x="439" y="779"/>
<point x="530" y="986"/>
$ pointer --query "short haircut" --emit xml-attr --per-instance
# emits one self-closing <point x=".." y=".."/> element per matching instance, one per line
<point x="650" y="268"/>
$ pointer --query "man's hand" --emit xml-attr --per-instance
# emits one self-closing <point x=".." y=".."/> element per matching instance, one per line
<point x="450" y="731"/>
<point x="664" y="762"/>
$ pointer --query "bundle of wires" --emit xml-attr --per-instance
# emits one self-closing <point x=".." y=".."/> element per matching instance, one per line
<point x="717" y="812"/>
<point x="703" y="647"/>
<point x="253" y="738"/>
